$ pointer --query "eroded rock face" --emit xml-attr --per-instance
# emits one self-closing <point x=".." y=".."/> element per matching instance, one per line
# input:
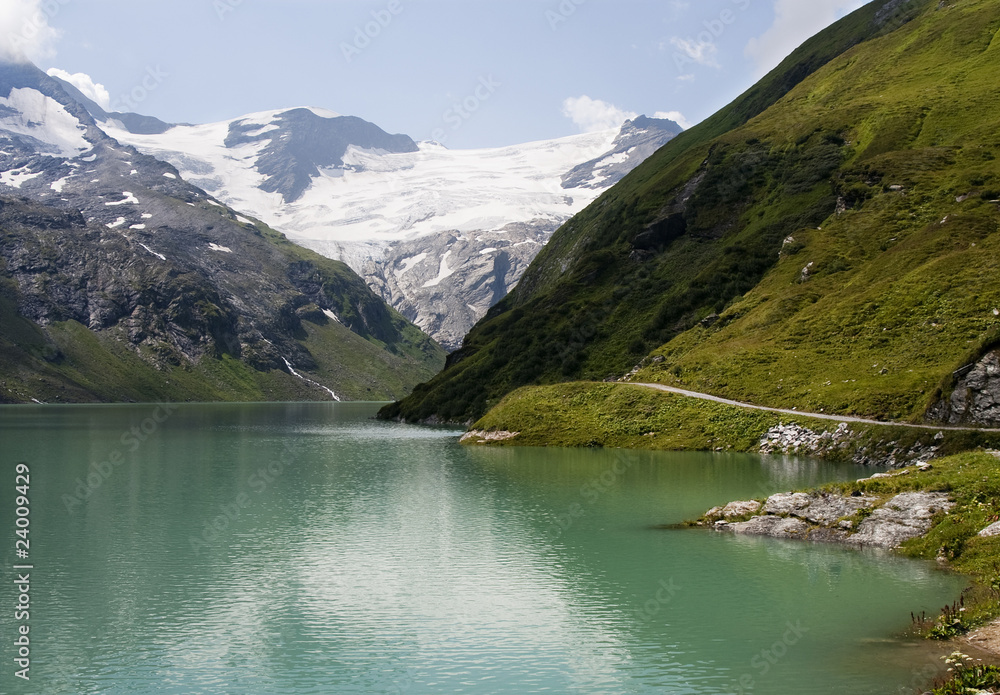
<point x="905" y="516"/>
<point x="976" y="397"/>
<point x="445" y="283"/>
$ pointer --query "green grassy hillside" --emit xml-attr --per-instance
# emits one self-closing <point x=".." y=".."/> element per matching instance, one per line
<point x="868" y="157"/>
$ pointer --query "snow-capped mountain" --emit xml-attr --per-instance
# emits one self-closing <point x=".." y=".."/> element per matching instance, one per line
<point x="441" y="234"/>
<point x="147" y="279"/>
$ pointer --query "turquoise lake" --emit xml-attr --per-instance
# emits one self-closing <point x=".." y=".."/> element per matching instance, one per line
<point x="307" y="548"/>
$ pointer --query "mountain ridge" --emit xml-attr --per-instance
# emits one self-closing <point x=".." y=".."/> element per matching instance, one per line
<point x="719" y="264"/>
<point x="377" y="201"/>
<point x="123" y="282"/>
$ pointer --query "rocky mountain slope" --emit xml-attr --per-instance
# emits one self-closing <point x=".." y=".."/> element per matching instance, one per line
<point x="121" y="281"/>
<point x="440" y="234"/>
<point x="825" y="242"/>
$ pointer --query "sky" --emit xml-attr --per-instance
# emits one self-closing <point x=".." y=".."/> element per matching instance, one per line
<point x="467" y="73"/>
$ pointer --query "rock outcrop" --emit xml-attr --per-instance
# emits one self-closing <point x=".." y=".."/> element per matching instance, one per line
<point x="842" y="443"/>
<point x="445" y="283"/>
<point x="834" y="518"/>
<point x="482" y="436"/>
<point x="905" y="516"/>
<point x="975" y="400"/>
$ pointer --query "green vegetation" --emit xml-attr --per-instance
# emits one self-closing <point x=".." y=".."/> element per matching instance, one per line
<point x="632" y="417"/>
<point x="584" y="414"/>
<point x="825" y="242"/>
<point x="969" y="677"/>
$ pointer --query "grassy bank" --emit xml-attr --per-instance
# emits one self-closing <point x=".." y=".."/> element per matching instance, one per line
<point x="634" y="417"/>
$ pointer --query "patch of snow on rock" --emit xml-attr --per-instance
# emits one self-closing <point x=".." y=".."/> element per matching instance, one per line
<point x="14" y="179"/>
<point x="129" y="198"/>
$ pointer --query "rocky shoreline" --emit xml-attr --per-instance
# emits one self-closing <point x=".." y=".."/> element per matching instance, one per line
<point x="856" y="519"/>
<point x="842" y="443"/>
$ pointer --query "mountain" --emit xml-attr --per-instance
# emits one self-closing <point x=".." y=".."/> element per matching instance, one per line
<point x="826" y="242"/>
<point x="442" y="235"/>
<point x="121" y="281"/>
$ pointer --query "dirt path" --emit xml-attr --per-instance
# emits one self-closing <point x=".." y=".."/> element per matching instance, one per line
<point x="986" y="638"/>
<point x="819" y="416"/>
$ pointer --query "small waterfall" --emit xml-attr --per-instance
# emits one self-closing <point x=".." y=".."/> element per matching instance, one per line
<point x="310" y="381"/>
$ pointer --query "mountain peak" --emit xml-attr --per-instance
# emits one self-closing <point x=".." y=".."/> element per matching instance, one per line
<point x="295" y="144"/>
<point x="637" y="140"/>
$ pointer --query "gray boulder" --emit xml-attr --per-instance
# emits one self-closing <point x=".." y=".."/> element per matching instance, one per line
<point x="991" y="530"/>
<point x="905" y="516"/>
<point x="737" y="509"/>
<point x="816" y="508"/>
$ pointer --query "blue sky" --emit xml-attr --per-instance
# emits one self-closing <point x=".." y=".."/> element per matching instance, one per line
<point x="472" y="73"/>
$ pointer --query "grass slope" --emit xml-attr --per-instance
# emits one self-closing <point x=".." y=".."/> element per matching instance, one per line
<point x="583" y="414"/>
<point x="852" y="165"/>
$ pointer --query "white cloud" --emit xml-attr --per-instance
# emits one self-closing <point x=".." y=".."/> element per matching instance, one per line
<point x="591" y="115"/>
<point x="675" y="116"/>
<point x="794" y="22"/>
<point x="695" y="51"/>
<point x="92" y="90"/>
<point x="25" y="34"/>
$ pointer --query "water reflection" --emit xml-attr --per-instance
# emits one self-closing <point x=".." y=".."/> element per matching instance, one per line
<point x="308" y="549"/>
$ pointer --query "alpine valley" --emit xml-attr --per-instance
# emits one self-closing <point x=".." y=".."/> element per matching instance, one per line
<point x="827" y="242"/>
<point x="442" y="235"/>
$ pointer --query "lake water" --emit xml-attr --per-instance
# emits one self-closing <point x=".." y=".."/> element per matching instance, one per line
<point x="306" y="548"/>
